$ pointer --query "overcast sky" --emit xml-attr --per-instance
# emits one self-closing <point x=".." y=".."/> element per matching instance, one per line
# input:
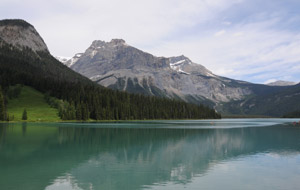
<point x="252" y="40"/>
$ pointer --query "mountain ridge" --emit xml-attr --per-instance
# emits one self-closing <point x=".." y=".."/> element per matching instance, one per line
<point x="120" y="66"/>
<point x="281" y="83"/>
<point x="20" y="34"/>
<point x="27" y="61"/>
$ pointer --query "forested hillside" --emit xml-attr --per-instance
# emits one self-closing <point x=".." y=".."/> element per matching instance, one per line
<point x="83" y="99"/>
<point x="275" y="103"/>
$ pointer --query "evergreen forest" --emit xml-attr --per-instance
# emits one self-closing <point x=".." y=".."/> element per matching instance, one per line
<point x="78" y="98"/>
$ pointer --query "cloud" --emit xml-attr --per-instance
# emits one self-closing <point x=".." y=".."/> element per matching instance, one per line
<point x="220" y="33"/>
<point x="242" y="39"/>
<point x="68" y="25"/>
<point x="255" y="50"/>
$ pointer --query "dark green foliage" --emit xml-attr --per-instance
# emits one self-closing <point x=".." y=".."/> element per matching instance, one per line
<point x="78" y="98"/>
<point x="14" y="91"/>
<point x="79" y="114"/>
<point x="53" y="102"/>
<point x="294" y="114"/>
<point x="10" y="117"/>
<point x="67" y="111"/>
<point x="24" y="115"/>
<point x="2" y="106"/>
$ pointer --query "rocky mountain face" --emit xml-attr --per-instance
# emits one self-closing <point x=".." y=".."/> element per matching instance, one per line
<point x="21" y="34"/>
<point x="25" y="60"/>
<point x="281" y="83"/>
<point x="117" y="65"/>
<point x="23" y="50"/>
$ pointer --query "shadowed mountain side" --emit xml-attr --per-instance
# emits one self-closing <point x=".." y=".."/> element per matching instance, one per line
<point x="21" y="62"/>
<point x="120" y="66"/>
<point x="277" y="103"/>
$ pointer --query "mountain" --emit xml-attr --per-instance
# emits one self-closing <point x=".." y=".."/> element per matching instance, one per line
<point x="117" y="65"/>
<point x="282" y="83"/>
<point x="61" y="59"/>
<point x="276" y="104"/>
<point x="25" y="59"/>
<point x="21" y="35"/>
<point x="69" y="61"/>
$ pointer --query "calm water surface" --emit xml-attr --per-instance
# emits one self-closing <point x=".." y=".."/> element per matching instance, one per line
<point x="225" y="154"/>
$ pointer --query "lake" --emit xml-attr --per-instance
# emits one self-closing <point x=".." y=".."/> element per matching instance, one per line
<point x="207" y="154"/>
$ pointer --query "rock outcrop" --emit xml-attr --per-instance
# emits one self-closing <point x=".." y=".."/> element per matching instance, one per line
<point x="118" y="65"/>
<point x="21" y="34"/>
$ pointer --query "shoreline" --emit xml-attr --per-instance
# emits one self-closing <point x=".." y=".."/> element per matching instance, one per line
<point x="128" y="121"/>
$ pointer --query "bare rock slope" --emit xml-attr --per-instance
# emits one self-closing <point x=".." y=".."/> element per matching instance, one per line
<point x="118" y="65"/>
<point x="21" y="34"/>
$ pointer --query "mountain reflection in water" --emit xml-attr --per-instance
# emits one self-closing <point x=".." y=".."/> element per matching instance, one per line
<point x="59" y="156"/>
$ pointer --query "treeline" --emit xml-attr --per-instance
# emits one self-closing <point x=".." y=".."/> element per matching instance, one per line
<point x="3" y="114"/>
<point x="294" y="114"/>
<point x="103" y="104"/>
<point x="78" y="98"/>
<point x="11" y="92"/>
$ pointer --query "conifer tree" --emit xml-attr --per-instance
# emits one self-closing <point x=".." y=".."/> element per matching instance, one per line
<point x="2" y="106"/>
<point x="78" y="112"/>
<point x="24" y="115"/>
<point x="72" y="112"/>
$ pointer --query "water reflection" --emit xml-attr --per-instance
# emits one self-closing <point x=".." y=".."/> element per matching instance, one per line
<point x="60" y="157"/>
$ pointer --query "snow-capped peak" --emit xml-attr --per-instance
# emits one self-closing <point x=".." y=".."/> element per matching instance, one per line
<point x="73" y="60"/>
<point x="62" y="59"/>
<point x="177" y="63"/>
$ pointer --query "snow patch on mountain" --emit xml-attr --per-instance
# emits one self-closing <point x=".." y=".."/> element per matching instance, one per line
<point x="62" y="59"/>
<point x="73" y="60"/>
<point x="177" y="65"/>
<point x="95" y="77"/>
<point x="210" y="74"/>
<point x="120" y="66"/>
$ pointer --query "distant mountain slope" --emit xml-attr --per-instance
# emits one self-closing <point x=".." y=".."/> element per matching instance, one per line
<point x="275" y="104"/>
<point x="25" y="59"/>
<point x="281" y="83"/>
<point x="118" y="65"/>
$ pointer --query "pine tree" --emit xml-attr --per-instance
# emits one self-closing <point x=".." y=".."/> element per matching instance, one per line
<point x="78" y="112"/>
<point x="24" y="116"/>
<point x="2" y="106"/>
<point x="85" y="112"/>
<point x="72" y="111"/>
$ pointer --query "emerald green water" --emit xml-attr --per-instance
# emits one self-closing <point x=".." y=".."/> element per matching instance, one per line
<point x="222" y="154"/>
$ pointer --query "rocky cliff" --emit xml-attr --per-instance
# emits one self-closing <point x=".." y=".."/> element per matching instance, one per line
<point x="21" y="34"/>
<point x="118" y="65"/>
